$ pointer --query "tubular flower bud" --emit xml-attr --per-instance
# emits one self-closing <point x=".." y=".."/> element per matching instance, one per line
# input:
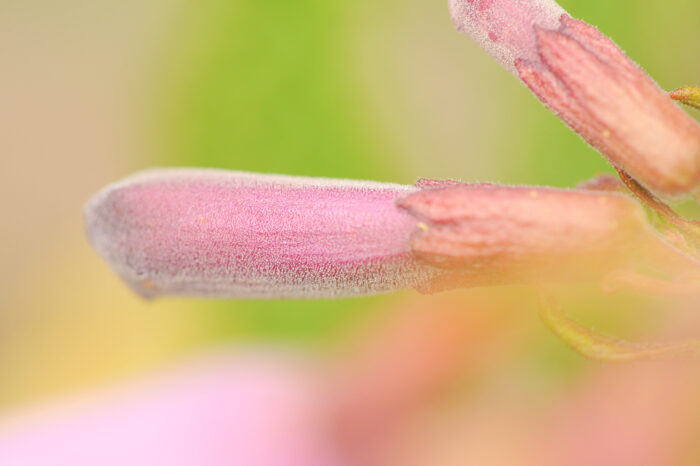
<point x="490" y="234"/>
<point x="216" y="233"/>
<point x="230" y="234"/>
<point x="589" y="82"/>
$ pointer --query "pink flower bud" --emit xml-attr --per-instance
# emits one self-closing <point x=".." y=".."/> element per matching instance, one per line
<point x="490" y="234"/>
<point x="586" y="79"/>
<point x="504" y="28"/>
<point x="230" y="234"/>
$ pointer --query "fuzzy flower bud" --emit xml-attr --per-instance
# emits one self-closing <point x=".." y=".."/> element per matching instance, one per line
<point x="230" y="234"/>
<point x="216" y="233"/>
<point x="589" y="82"/>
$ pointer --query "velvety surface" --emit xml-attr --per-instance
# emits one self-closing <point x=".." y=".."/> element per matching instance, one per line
<point x="221" y="233"/>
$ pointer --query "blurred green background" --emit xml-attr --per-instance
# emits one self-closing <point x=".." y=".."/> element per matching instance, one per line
<point x="385" y="90"/>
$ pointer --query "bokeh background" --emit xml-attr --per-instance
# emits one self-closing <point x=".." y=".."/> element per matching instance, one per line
<point x="372" y="89"/>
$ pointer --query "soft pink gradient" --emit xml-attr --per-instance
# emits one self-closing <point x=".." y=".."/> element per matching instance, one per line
<point x="257" y="409"/>
<point x="219" y="233"/>
<point x="589" y="82"/>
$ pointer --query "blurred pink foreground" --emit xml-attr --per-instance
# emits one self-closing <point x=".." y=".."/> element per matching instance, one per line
<point x="385" y="403"/>
<point x="224" y="410"/>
